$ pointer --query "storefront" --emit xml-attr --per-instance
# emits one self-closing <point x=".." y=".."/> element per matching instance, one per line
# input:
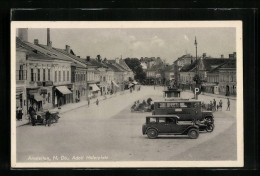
<point x="62" y="95"/>
<point x="93" y="90"/>
<point x="34" y="98"/>
<point x="115" y="87"/>
<point x="21" y="106"/>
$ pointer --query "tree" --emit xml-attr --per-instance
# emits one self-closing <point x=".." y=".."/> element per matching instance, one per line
<point x="135" y="65"/>
<point x="197" y="79"/>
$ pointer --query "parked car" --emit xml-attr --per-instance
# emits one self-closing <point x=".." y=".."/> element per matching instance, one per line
<point x="185" y="109"/>
<point x="169" y="125"/>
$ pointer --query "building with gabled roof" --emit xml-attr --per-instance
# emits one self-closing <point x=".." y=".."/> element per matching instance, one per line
<point x="48" y="75"/>
<point x="223" y="78"/>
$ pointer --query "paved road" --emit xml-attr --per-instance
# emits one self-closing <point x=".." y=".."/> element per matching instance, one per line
<point x="111" y="131"/>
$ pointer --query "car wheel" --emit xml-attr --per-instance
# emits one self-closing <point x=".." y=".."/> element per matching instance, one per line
<point x="152" y="133"/>
<point x="209" y="128"/>
<point x="193" y="133"/>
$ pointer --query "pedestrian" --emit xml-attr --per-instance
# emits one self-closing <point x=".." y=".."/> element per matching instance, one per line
<point x="88" y="102"/>
<point x="97" y="102"/>
<point x="214" y="104"/>
<point x="220" y="104"/>
<point x="20" y="114"/>
<point x="228" y="105"/>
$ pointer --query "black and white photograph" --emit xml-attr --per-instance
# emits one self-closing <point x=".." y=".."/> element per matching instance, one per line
<point x="126" y="94"/>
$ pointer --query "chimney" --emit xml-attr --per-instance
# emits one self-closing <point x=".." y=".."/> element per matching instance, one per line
<point x="23" y="34"/>
<point x="68" y="48"/>
<point x="222" y="56"/>
<point x="48" y="38"/>
<point x="234" y="55"/>
<point x="204" y="55"/>
<point x="88" y="58"/>
<point x="231" y="56"/>
<point x="36" y="41"/>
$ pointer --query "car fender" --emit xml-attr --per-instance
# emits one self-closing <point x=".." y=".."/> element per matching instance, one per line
<point x="151" y="128"/>
<point x="190" y="127"/>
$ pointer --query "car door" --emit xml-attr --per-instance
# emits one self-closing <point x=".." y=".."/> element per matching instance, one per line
<point x="163" y="126"/>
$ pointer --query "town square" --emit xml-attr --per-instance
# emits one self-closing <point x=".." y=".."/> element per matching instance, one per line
<point x="85" y="95"/>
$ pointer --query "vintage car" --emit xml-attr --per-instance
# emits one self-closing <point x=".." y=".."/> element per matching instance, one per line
<point x="169" y="125"/>
<point x="185" y="109"/>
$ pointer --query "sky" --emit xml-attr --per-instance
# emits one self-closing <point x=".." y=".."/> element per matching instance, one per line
<point x="167" y="43"/>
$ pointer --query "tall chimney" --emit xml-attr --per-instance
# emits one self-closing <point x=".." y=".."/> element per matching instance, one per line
<point x="23" y="34"/>
<point x="68" y="48"/>
<point x="88" y="58"/>
<point x="222" y="56"/>
<point x="234" y="55"/>
<point x="49" y="43"/>
<point x="204" y="55"/>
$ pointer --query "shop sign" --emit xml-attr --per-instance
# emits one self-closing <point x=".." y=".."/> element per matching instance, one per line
<point x="33" y="91"/>
<point x="48" y="83"/>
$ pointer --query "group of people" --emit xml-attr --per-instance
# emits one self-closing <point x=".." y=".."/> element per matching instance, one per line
<point x="216" y="107"/>
<point x="19" y="113"/>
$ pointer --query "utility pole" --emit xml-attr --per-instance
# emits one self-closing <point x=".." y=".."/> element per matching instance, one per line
<point x="196" y="44"/>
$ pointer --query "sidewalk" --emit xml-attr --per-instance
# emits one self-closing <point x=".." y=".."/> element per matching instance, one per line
<point x="215" y="95"/>
<point x="72" y="106"/>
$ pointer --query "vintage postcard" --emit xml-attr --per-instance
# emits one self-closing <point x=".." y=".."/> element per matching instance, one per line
<point x="126" y="94"/>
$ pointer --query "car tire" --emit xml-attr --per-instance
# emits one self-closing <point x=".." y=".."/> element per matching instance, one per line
<point x="209" y="128"/>
<point x="193" y="133"/>
<point x="152" y="133"/>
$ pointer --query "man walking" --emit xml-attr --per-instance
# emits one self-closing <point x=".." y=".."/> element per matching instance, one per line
<point x="214" y="104"/>
<point x="220" y="104"/>
<point x="97" y="102"/>
<point x="228" y="105"/>
<point x="88" y="102"/>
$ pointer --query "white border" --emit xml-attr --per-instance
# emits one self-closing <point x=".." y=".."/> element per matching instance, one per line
<point x="133" y="24"/>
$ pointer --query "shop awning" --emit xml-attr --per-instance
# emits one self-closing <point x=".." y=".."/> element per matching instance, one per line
<point x="115" y="83"/>
<point x="94" y="87"/>
<point x="135" y="82"/>
<point x="37" y="97"/>
<point x="63" y="89"/>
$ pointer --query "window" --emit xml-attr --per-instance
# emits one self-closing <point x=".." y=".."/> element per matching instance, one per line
<point x="21" y="73"/>
<point x="186" y="105"/>
<point x="161" y="120"/>
<point x="171" y="120"/>
<point x="173" y="105"/>
<point x="68" y="77"/>
<point x="43" y="74"/>
<point x="59" y="76"/>
<point x="63" y="75"/>
<point x="49" y="74"/>
<point x="55" y="76"/>
<point x="152" y="119"/>
<point x="32" y="75"/>
<point x="161" y="105"/>
<point x="39" y="74"/>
